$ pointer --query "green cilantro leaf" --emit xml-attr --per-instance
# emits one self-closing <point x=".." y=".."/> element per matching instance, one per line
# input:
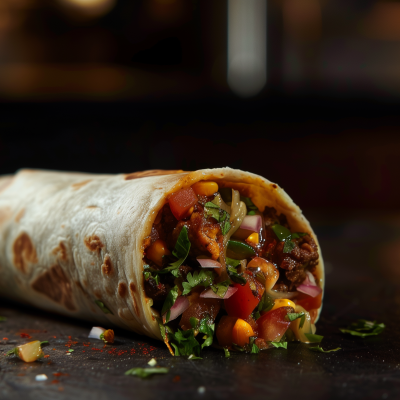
<point x="181" y="249"/>
<point x="184" y="343"/>
<point x="363" y="328"/>
<point x="265" y="304"/>
<point x="103" y="307"/>
<point x="208" y="329"/>
<point x="146" y="372"/>
<point x="235" y="277"/>
<point x="2" y="319"/>
<point x="193" y="357"/>
<point x="226" y="351"/>
<point x="202" y="277"/>
<point x="70" y="350"/>
<point x="220" y="288"/>
<point x="212" y="212"/>
<point x="211" y="205"/>
<point x="254" y="349"/>
<point x="151" y="273"/>
<point x="169" y="302"/>
<point x="282" y="345"/>
<point x="321" y="350"/>
<point x="280" y="231"/>
<point x="251" y="212"/>
<point x="284" y="234"/>
<point x="231" y="261"/>
<point x="313" y="338"/>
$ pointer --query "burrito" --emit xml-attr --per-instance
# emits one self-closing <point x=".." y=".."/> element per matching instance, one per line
<point x="216" y="257"/>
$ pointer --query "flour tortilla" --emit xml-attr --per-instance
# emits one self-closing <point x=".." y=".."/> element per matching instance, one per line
<point x="71" y="239"/>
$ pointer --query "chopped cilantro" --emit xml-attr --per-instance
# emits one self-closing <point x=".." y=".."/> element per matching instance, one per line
<point x="313" y="338"/>
<point x="282" y="345"/>
<point x="254" y="349"/>
<point x="293" y="316"/>
<point x="250" y="347"/>
<point x="203" y="277"/>
<point x="226" y="351"/>
<point x="193" y="357"/>
<point x="251" y="212"/>
<point x="280" y="231"/>
<point x="184" y="343"/>
<point x="70" y="350"/>
<point x="363" y="328"/>
<point x="151" y="273"/>
<point x="208" y="329"/>
<point x="2" y="319"/>
<point x="13" y="351"/>
<point x="225" y="222"/>
<point x="211" y="205"/>
<point x="169" y="302"/>
<point x="213" y="210"/>
<point x="265" y="304"/>
<point x="321" y="350"/>
<point x="103" y="307"/>
<point x="146" y="372"/>
<point x="284" y="234"/>
<point x="181" y="249"/>
<point x="235" y="277"/>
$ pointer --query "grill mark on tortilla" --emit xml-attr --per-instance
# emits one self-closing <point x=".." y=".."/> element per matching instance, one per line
<point x="93" y="243"/>
<point x="122" y="289"/>
<point x="152" y="172"/>
<point x="61" y="250"/>
<point x="78" y="185"/>
<point x="24" y="252"/>
<point x="55" y="285"/>
<point x="20" y="215"/>
<point x="274" y="186"/>
<point x="107" y="267"/>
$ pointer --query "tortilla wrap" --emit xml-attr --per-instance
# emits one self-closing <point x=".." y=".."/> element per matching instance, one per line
<point x="71" y="239"/>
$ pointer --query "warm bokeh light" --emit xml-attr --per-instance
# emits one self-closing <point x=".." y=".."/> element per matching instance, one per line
<point x="89" y="8"/>
<point x="247" y="46"/>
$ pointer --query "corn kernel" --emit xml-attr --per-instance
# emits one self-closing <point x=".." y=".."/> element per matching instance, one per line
<point x="156" y="251"/>
<point x="254" y="238"/>
<point x="283" y="303"/>
<point x="205" y="188"/>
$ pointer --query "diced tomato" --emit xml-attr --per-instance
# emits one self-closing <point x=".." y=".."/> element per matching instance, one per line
<point x="224" y="331"/>
<point x="272" y="325"/>
<point x="241" y="332"/>
<point x="242" y="303"/>
<point x="181" y="202"/>
<point x="308" y="302"/>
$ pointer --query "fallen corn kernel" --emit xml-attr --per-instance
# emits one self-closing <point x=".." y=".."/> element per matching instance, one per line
<point x="205" y="188"/>
<point x="254" y="238"/>
<point x="283" y="303"/>
<point x="156" y="252"/>
<point x="241" y="332"/>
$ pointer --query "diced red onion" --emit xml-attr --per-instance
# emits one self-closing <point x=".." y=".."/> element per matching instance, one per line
<point x="180" y="306"/>
<point x="310" y="280"/>
<point x="208" y="263"/>
<point x="311" y="290"/>
<point x="96" y="332"/>
<point x="209" y="294"/>
<point x="252" y="223"/>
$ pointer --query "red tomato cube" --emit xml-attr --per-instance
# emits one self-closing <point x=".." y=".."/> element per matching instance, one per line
<point x="181" y="202"/>
<point x="242" y="303"/>
<point x="272" y="325"/>
<point x="308" y="302"/>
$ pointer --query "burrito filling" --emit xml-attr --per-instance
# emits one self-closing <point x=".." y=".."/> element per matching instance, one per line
<point x="217" y="267"/>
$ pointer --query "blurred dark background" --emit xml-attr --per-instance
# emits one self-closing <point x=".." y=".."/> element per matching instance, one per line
<point x="303" y="92"/>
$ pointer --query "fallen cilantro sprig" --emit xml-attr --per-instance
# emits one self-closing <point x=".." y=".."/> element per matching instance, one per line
<point x="146" y="372"/>
<point x="282" y="345"/>
<point x="181" y="250"/>
<point x="227" y="353"/>
<point x="313" y="338"/>
<point x="169" y="302"/>
<point x="321" y="350"/>
<point x="363" y="328"/>
<point x="250" y="347"/>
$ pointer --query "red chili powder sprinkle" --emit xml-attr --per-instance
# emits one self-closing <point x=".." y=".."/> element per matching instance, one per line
<point x="53" y="349"/>
<point x="46" y="356"/>
<point x="112" y="351"/>
<point x="95" y="349"/>
<point x="59" y="374"/>
<point x="55" y="381"/>
<point x="177" y="378"/>
<point x="86" y="344"/>
<point x="70" y="337"/>
<point x="55" y="337"/>
<point x="133" y="351"/>
<point x="20" y="374"/>
<point x="25" y="335"/>
<point x="60" y="388"/>
<point x="83" y="351"/>
<point x="70" y="343"/>
<point x="5" y="338"/>
<point x="122" y="352"/>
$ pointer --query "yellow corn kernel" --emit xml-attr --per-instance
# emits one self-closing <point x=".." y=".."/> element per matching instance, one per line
<point x="205" y="188"/>
<point x="254" y="238"/>
<point x="156" y="251"/>
<point x="283" y="303"/>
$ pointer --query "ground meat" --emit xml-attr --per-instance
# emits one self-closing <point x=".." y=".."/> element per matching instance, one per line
<point x="156" y="292"/>
<point x="204" y="234"/>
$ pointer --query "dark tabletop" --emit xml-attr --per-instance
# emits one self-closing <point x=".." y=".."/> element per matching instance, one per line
<point x="362" y="257"/>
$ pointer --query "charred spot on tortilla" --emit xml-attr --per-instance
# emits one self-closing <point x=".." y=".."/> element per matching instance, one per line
<point x="107" y="267"/>
<point x="61" y="250"/>
<point x="78" y="185"/>
<point x="135" y="306"/>
<point x="24" y="252"/>
<point x="132" y="287"/>
<point x="20" y="215"/>
<point x="97" y="293"/>
<point x="152" y="172"/>
<point x="122" y="289"/>
<point x="93" y="243"/>
<point x="274" y="186"/>
<point x="55" y="284"/>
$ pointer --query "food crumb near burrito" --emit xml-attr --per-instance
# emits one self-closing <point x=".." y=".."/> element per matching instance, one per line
<point x="106" y="335"/>
<point x="219" y="271"/>
<point x="28" y="352"/>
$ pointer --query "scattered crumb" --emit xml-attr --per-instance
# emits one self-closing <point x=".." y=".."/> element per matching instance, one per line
<point x="41" y="377"/>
